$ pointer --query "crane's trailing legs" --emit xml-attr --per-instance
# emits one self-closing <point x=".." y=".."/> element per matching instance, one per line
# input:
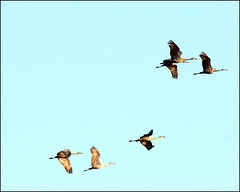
<point x="102" y="165"/>
<point x="185" y="60"/>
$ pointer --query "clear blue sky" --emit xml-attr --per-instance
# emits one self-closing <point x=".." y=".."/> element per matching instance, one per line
<point x="78" y="74"/>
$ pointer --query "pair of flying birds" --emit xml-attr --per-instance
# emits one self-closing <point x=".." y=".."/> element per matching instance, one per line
<point x="176" y="57"/>
<point x="63" y="156"/>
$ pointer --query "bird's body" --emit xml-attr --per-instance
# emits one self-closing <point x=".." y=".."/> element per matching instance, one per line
<point x="206" y="64"/>
<point x="95" y="161"/>
<point x="176" y="57"/>
<point x="145" y="140"/>
<point x="171" y="65"/>
<point x="63" y="158"/>
<point x="176" y="54"/>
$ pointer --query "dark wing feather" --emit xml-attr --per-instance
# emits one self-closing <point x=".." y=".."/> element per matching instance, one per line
<point x="147" y="135"/>
<point x="147" y="144"/>
<point x="95" y="157"/>
<point x="64" y="153"/>
<point x="174" y="70"/>
<point x="206" y="62"/>
<point x="174" y="51"/>
<point x="66" y="163"/>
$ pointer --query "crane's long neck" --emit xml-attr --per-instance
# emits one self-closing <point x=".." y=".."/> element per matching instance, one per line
<point x="216" y="70"/>
<point x="76" y="153"/>
<point x="134" y="140"/>
<point x="157" y="137"/>
<point x="189" y="59"/>
<point x="103" y="165"/>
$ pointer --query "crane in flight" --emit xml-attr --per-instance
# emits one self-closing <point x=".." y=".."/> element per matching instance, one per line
<point x="63" y="158"/>
<point x="176" y="57"/>
<point x="171" y="65"/>
<point x="96" y="164"/>
<point x="176" y="54"/>
<point x="145" y="140"/>
<point x="206" y="64"/>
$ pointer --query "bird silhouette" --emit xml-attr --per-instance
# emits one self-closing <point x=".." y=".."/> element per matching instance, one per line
<point x="206" y="64"/>
<point x="176" y="54"/>
<point x="63" y="158"/>
<point x="171" y="65"/>
<point x="176" y="57"/>
<point x="145" y="140"/>
<point x="96" y="164"/>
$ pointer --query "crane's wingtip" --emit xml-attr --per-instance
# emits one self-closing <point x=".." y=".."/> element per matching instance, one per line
<point x="69" y="170"/>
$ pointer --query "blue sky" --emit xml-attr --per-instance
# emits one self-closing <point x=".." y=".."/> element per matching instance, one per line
<point x="81" y="74"/>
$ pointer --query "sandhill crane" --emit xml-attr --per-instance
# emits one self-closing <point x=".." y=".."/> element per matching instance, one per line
<point x="63" y="159"/>
<point x="176" y="53"/>
<point x="171" y="66"/>
<point x="145" y="140"/>
<point x="96" y="164"/>
<point x="175" y="58"/>
<point x="206" y="64"/>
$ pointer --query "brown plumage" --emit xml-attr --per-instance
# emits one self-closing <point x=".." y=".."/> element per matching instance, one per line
<point x="171" y="65"/>
<point x="176" y="54"/>
<point x="63" y="159"/>
<point x="206" y="64"/>
<point x="145" y="140"/>
<point x="176" y="57"/>
<point x="96" y="164"/>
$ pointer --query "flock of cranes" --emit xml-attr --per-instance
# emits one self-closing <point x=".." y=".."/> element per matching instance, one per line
<point x="63" y="156"/>
<point x="145" y="140"/>
<point x="176" y="57"/>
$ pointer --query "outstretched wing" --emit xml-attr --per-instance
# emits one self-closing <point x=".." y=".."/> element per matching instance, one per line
<point x="95" y="157"/>
<point x="147" y="144"/>
<point x="206" y="62"/>
<point x="174" y="70"/>
<point x="66" y="163"/>
<point x="148" y="134"/>
<point x="174" y="51"/>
